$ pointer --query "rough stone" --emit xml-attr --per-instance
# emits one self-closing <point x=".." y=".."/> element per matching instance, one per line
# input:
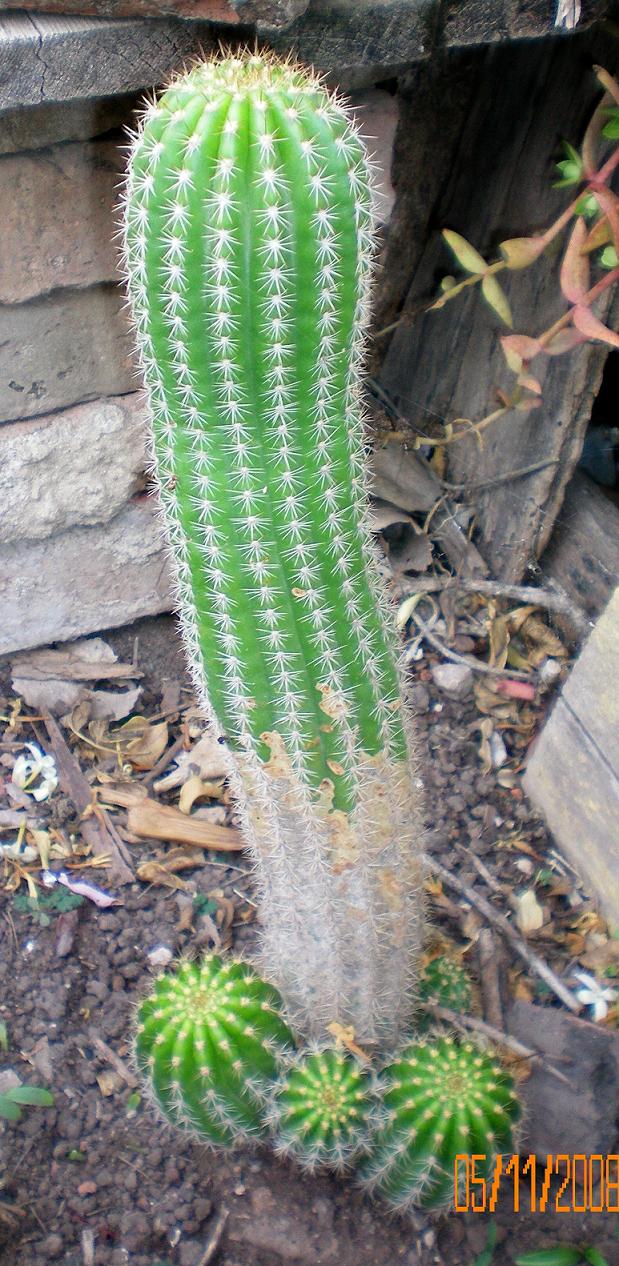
<point x="38" y="126"/>
<point x="455" y="679"/>
<point x="82" y="580"/>
<point x="62" y="350"/>
<point x="71" y="469"/>
<point x="575" y="1118"/>
<point x="56" y="215"/>
<point x="290" y="1238"/>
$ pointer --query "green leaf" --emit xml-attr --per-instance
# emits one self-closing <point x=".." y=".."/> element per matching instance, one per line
<point x="593" y="1256"/>
<point x="560" y="1255"/>
<point x="9" y="1110"/>
<point x="519" y="252"/>
<point x="609" y="258"/>
<point x="588" y="206"/>
<point x="76" y="1155"/>
<point x="570" y="168"/>
<point x="497" y="299"/>
<point x="485" y="1257"/>
<point x="4" y="1036"/>
<point x="35" y="1096"/>
<point x="466" y="255"/>
<point x="134" y="1101"/>
<point x="611" y="129"/>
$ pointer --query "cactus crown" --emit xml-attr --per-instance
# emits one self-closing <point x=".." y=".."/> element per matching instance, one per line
<point x="445" y="981"/>
<point x="208" y="1042"/>
<point x="321" y="1109"/>
<point x="441" y="1098"/>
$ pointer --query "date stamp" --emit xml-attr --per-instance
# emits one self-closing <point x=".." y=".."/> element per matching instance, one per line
<point x="562" y="1183"/>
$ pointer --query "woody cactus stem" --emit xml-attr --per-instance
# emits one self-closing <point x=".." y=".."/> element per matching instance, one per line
<point x="248" y="245"/>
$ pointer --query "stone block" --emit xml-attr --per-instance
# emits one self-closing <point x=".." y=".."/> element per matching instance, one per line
<point x="56" y="211"/>
<point x="82" y="580"/>
<point x="70" y="469"/>
<point x="34" y="127"/>
<point x="572" y="776"/>
<point x="62" y="350"/>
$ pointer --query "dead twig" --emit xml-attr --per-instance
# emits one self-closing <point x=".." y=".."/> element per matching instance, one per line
<point x="150" y="820"/>
<point x="489" y="978"/>
<point x="96" y="828"/>
<point x="473" y="1023"/>
<point x="469" y="661"/>
<point x="214" y="1238"/>
<point x="557" y="602"/>
<point x="164" y="760"/>
<point x="475" y="899"/>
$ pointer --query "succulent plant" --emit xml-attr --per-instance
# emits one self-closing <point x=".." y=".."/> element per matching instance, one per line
<point x="441" y="1098"/>
<point x="321" y="1108"/>
<point x="248" y="246"/>
<point x="209" y="1041"/>
<point x="445" y="982"/>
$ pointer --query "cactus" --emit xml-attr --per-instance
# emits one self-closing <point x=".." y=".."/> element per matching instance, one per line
<point x="248" y="246"/>
<point x="208" y="1043"/>
<point x="321" y="1108"/>
<point x="441" y="1098"/>
<point x="444" y="981"/>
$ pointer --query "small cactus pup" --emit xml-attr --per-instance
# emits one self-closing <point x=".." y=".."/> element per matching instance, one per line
<point x="209" y="1041"/>
<point x="441" y="1098"/>
<point x="321" y="1109"/>
<point x="445" y="982"/>
<point x="248" y="246"/>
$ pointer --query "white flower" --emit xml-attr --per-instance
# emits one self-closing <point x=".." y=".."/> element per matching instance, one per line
<point x="592" y="994"/>
<point x="36" y="768"/>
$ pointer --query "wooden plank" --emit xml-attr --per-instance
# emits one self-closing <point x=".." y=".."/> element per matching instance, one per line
<point x="514" y="104"/>
<point x="572" y="776"/>
<point x="583" y="553"/>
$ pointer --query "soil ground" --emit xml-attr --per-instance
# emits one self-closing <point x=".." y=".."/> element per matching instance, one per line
<point x="98" y="1181"/>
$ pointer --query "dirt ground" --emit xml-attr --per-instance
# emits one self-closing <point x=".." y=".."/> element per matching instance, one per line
<point x="98" y="1181"/>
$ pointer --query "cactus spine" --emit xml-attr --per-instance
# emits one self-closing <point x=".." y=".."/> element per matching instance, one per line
<point x="444" y="981"/>
<point x="321" y="1108"/>
<point x="441" y="1098"/>
<point x="209" y="1042"/>
<point x="248" y="244"/>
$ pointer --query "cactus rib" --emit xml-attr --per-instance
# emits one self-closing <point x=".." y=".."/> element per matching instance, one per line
<point x="248" y="245"/>
<point x="441" y="1098"/>
<point x="320" y="1109"/>
<point x="208" y="1043"/>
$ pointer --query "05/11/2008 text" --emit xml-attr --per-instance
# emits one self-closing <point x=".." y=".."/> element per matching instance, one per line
<point x="561" y="1183"/>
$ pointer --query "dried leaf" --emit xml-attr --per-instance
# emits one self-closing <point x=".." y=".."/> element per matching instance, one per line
<point x="400" y="478"/>
<point x="519" y="252"/>
<point x="383" y="515"/>
<point x="497" y="300"/>
<point x="414" y="554"/>
<point x="575" y="271"/>
<point x="207" y="757"/>
<point x="156" y="873"/>
<point x="588" y="324"/>
<point x="191" y="791"/>
<point x="529" y="913"/>
<point x="466" y="255"/>
<point x="149" y="744"/>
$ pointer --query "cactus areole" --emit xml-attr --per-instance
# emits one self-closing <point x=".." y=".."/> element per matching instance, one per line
<point x="248" y="248"/>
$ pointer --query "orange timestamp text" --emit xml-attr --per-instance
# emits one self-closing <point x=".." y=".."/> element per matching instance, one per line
<point x="562" y="1183"/>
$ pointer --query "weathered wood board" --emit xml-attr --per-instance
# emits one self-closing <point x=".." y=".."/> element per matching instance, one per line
<point x="489" y="175"/>
<point x="573" y="773"/>
<point x="583" y="554"/>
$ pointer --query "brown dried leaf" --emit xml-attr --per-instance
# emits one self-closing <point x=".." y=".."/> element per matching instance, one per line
<point x="529" y="913"/>
<point x="149" y="744"/>
<point x="157" y="873"/>
<point x="383" y="515"/>
<point x="207" y="757"/>
<point x="191" y="791"/>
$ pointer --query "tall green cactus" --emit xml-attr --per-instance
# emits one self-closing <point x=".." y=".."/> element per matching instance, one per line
<point x="248" y="245"/>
